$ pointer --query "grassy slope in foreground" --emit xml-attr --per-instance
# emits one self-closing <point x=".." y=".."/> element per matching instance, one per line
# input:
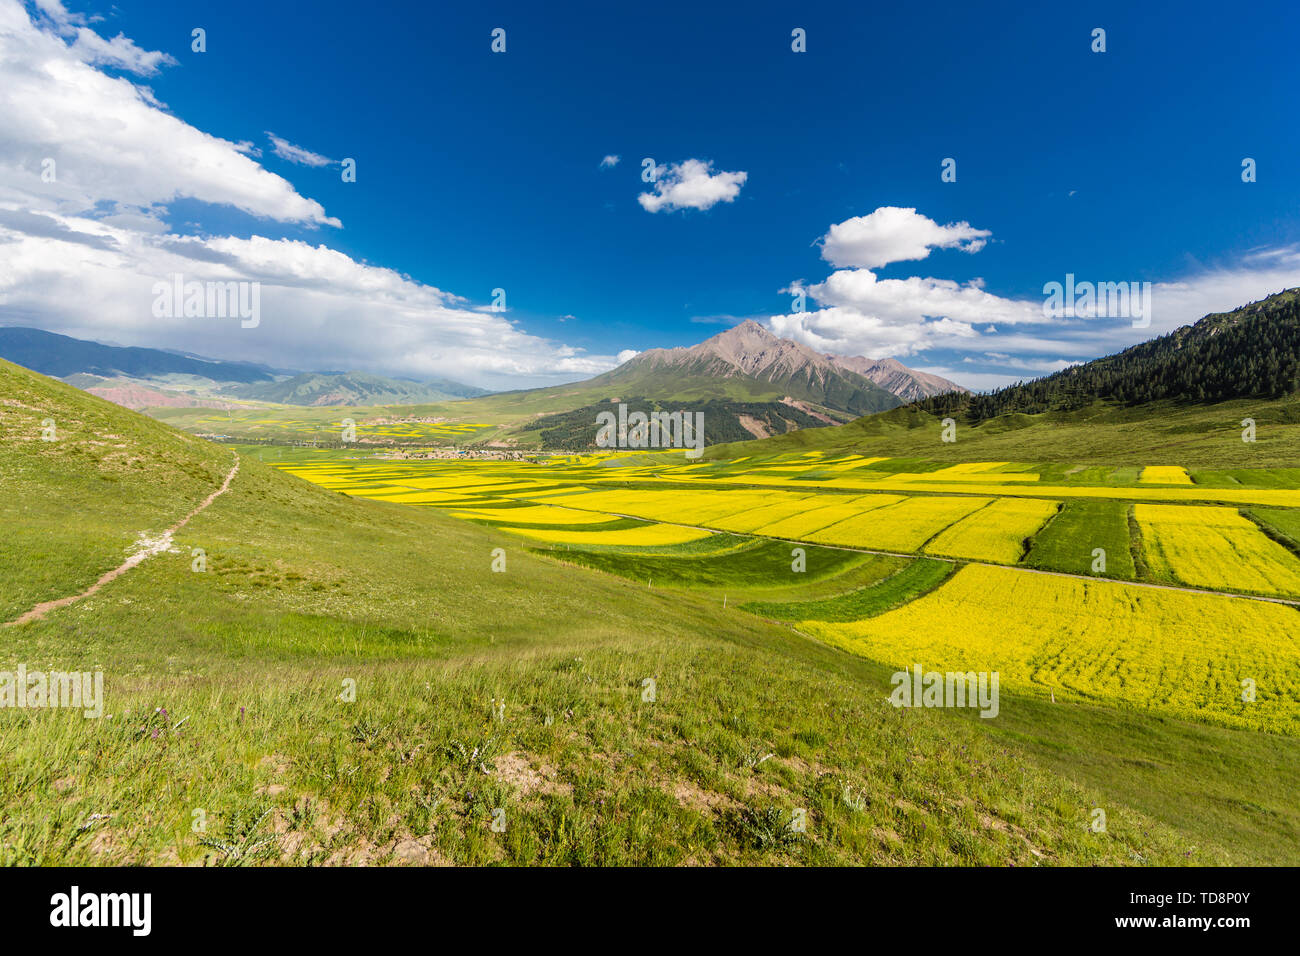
<point x="73" y="507"/>
<point x="223" y="689"/>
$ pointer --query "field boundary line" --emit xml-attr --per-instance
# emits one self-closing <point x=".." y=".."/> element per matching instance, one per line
<point x="957" y="561"/>
<point x="162" y="543"/>
<point x="1147" y="584"/>
<point x="985" y="564"/>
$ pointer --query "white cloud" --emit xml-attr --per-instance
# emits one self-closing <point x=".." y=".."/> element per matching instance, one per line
<point x="119" y="52"/>
<point x="81" y="255"/>
<point x="1040" y="366"/>
<point x="319" y="307"/>
<point x="914" y="299"/>
<point x="691" y="185"/>
<point x="862" y="314"/>
<point x="626" y="355"/>
<point x="108" y="137"/>
<point x="849" y="332"/>
<point x="89" y="46"/>
<point x="295" y="154"/>
<point x="893" y="234"/>
<point x="998" y="340"/>
<point x="610" y="161"/>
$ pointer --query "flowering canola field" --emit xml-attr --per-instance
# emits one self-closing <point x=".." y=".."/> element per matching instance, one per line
<point x="997" y="532"/>
<point x="902" y="526"/>
<point x="650" y="535"/>
<point x="1165" y="475"/>
<point x="1215" y="548"/>
<point x="1179" y="653"/>
<point x="1173" y="652"/>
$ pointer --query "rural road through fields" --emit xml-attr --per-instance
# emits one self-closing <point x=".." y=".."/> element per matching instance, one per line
<point x="151" y="547"/>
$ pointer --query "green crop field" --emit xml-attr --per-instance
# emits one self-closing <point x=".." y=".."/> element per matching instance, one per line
<point x="1069" y="540"/>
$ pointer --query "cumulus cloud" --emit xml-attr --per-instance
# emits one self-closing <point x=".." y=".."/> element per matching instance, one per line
<point x="893" y="234"/>
<point x="119" y="52"/>
<point x="610" y="161"/>
<point x="626" y="355"/>
<point x="319" y="307"/>
<point x="990" y="340"/>
<point x="916" y="299"/>
<point x="295" y="154"/>
<point x="862" y="314"/>
<point x="844" y="331"/>
<point x="691" y="185"/>
<point x="108" y="138"/>
<point x="88" y="162"/>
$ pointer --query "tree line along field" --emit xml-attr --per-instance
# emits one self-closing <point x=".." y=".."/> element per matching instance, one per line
<point x="768" y="652"/>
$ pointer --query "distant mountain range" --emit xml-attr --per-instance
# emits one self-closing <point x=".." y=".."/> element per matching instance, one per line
<point x="61" y="355"/>
<point x="1165" y="398"/>
<point x="750" y="354"/>
<point x="146" y="378"/>
<point x="754" y="359"/>
<point x="893" y="376"/>
<point x="354" y="388"/>
<point x="747" y="382"/>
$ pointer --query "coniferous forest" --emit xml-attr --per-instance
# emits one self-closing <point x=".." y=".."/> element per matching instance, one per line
<point x="1251" y="352"/>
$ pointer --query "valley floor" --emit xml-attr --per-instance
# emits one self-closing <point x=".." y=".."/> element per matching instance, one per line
<point x="598" y="662"/>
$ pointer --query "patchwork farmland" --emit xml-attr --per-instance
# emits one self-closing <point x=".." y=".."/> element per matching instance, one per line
<point x="1025" y="597"/>
<point x="1145" y="633"/>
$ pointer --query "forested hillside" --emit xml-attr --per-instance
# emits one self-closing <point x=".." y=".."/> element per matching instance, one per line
<point x="1250" y="352"/>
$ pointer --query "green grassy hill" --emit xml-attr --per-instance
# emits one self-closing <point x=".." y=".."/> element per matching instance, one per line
<point x="225" y="739"/>
<point x="1181" y="398"/>
<point x="351" y="388"/>
<point x="73" y="507"/>
<point x="1252" y="352"/>
<point x="723" y="421"/>
<point x="1166" y="432"/>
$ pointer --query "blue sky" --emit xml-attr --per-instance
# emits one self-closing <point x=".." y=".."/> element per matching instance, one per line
<point x="478" y="171"/>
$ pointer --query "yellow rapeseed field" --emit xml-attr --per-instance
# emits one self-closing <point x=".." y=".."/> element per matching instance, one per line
<point x="996" y="533"/>
<point x="540" y="515"/>
<point x="969" y="472"/>
<point x="1215" y="548"/>
<point x="754" y="518"/>
<point x="1165" y="475"/>
<point x="1171" y="651"/>
<point x="407" y="496"/>
<point x="824" y="511"/>
<point x="903" y="525"/>
<point x="647" y="536"/>
<point x="688" y="506"/>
